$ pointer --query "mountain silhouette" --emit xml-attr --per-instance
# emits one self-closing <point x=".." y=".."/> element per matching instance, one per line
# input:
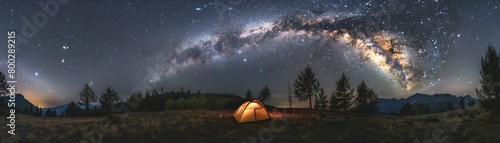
<point x="436" y="102"/>
<point x="21" y="103"/>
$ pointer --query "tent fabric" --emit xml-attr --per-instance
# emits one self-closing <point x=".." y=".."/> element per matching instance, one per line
<point x="251" y="111"/>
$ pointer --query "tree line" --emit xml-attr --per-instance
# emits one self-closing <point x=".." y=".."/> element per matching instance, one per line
<point x="307" y="87"/>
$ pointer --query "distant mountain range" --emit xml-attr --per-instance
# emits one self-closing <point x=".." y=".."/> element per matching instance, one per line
<point x="22" y="104"/>
<point x="436" y="102"/>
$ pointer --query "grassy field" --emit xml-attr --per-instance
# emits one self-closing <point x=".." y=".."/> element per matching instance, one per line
<point x="471" y="125"/>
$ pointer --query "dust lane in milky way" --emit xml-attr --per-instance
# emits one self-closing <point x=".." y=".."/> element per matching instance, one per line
<point x="386" y="48"/>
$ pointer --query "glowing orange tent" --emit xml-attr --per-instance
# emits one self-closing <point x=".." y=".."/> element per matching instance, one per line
<point x="251" y="111"/>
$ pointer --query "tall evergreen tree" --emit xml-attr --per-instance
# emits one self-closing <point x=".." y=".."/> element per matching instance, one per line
<point x="87" y="95"/>
<point x="316" y="102"/>
<point x="489" y="91"/>
<point x="306" y="86"/>
<point x="335" y="103"/>
<point x="366" y="100"/>
<point x="342" y="95"/>
<point x="289" y="96"/>
<point x="249" y="96"/>
<point x="264" y="94"/>
<point x="322" y="99"/>
<point x="3" y="84"/>
<point x="108" y="99"/>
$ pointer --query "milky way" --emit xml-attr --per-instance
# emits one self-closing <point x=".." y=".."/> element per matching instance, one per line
<point x="376" y="38"/>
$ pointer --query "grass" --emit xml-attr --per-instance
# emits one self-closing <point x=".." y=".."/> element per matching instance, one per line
<point x="471" y="125"/>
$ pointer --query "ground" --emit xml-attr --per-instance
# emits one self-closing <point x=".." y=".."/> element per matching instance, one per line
<point x="287" y="125"/>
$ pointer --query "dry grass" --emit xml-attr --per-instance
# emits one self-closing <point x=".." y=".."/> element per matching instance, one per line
<point x="471" y="125"/>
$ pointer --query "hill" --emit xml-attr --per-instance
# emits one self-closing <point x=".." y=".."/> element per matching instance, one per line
<point x="436" y="102"/>
<point x="22" y="104"/>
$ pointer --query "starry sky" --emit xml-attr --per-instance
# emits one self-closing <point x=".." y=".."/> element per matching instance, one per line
<point x="229" y="46"/>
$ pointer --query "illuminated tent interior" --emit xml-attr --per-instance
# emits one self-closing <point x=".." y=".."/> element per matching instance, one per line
<point x="251" y="111"/>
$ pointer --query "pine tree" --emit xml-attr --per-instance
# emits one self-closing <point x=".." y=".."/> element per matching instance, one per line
<point x="289" y="96"/>
<point x="407" y="110"/>
<point x="162" y="90"/>
<point x="322" y="99"/>
<point x="264" y="94"/>
<point x="489" y="91"/>
<point x="87" y="95"/>
<point x="421" y="109"/>
<point x="249" y="96"/>
<point x="306" y="86"/>
<point x="73" y="110"/>
<point x="335" y="103"/>
<point x="154" y="92"/>
<point x="343" y="94"/>
<point x="316" y="102"/>
<point x="366" y="100"/>
<point x="108" y="99"/>
<point x="3" y="84"/>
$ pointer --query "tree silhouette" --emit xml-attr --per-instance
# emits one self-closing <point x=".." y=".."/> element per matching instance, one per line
<point x="249" y="96"/>
<point x="264" y="94"/>
<point x="108" y="99"/>
<point x="421" y="109"/>
<point x="289" y="96"/>
<point x="407" y="110"/>
<point x="87" y="95"/>
<point x="73" y="110"/>
<point x="489" y="90"/>
<point x="50" y="113"/>
<point x="462" y="102"/>
<point x="3" y="84"/>
<point x="342" y="95"/>
<point x="335" y="103"/>
<point x="367" y="99"/>
<point x="322" y="99"/>
<point x="306" y="86"/>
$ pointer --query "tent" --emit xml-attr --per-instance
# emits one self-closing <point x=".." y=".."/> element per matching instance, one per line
<point x="251" y="111"/>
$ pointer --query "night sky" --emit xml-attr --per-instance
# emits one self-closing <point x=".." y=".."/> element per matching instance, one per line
<point x="399" y="48"/>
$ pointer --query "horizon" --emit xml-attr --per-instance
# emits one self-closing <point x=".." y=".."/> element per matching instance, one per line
<point x="280" y="103"/>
